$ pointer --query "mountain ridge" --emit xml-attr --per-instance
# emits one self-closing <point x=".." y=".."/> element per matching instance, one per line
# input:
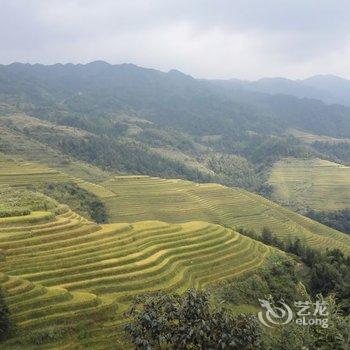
<point x="172" y="99"/>
<point x="324" y="87"/>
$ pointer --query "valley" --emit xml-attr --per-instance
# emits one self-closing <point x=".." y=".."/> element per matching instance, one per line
<point x="174" y="175"/>
<point x="117" y="190"/>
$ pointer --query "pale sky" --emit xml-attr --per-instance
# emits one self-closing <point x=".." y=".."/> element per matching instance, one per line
<point x="246" y="39"/>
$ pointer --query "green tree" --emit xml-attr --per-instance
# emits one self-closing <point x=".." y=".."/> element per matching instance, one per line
<point x="266" y="236"/>
<point x="164" y="321"/>
<point x="325" y="278"/>
<point x="4" y="318"/>
<point x="295" y="337"/>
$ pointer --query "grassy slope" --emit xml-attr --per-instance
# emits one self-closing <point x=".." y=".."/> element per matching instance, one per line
<point x="17" y="173"/>
<point x="317" y="184"/>
<point x="31" y="139"/>
<point x="145" y="198"/>
<point x="63" y="271"/>
<point x="17" y="145"/>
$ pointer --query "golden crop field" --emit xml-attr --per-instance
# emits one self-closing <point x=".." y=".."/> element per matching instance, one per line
<point x="317" y="184"/>
<point x="64" y="273"/>
<point x="149" y="198"/>
<point x="67" y="281"/>
<point x="139" y="198"/>
<point x="17" y="173"/>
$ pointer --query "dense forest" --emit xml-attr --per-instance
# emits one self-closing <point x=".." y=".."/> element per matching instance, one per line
<point x="170" y="99"/>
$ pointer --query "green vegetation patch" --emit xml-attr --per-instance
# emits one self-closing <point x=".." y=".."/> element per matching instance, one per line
<point x="338" y="219"/>
<point x="78" y="199"/>
<point x="19" y="202"/>
<point x="278" y="278"/>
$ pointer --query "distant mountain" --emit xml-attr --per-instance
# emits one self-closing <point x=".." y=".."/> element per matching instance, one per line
<point x="338" y="88"/>
<point x="327" y="88"/>
<point x="171" y="99"/>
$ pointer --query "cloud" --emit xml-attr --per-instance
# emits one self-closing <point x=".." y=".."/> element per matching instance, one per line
<point x="205" y="38"/>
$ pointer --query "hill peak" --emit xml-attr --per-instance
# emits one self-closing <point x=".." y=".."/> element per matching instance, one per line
<point x="326" y="77"/>
<point x="176" y="72"/>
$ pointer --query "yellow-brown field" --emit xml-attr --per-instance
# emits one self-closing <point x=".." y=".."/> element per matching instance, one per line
<point x="62" y="273"/>
<point x="317" y="184"/>
<point x="146" y="198"/>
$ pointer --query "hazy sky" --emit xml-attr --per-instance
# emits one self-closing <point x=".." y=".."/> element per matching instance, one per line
<point x="204" y="38"/>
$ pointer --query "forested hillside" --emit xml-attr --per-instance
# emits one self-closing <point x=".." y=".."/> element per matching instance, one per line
<point x="173" y="99"/>
<point x="330" y="89"/>
<point x="95" y="119"/>
<point x="139" y="147"/>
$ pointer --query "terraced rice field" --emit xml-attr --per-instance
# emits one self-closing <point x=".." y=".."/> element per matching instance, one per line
<point x="147" y="198"/>
<point x="20" y="173"/>
<point x="24" y="173"/>
<point x="97" y="190"/>
<point x="318" y="184"/>
<point x="64" y="272"/>
<point x="68" y="281"/>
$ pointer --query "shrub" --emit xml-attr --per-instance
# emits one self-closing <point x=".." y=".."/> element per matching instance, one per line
<point x="166" y="321"/>
<point x="5" y="324"/>
<point x="5" y="213"/>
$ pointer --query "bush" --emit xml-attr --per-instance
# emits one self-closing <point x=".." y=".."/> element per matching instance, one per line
<point x="278" y="279"/>
<point x="338" y="219"/>
<point x="5" y="213"/>
<point x="79" y="200"/>
<point x="49" y="335"/>
<point x="329" y="271"/>
<point x="166" y="321"/>
<point x="5" y="324"/>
